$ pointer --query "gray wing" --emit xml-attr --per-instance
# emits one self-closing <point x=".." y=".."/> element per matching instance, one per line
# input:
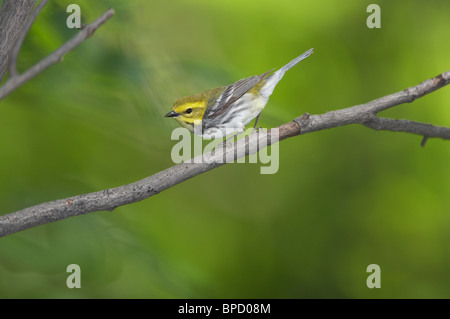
<point x="231" y="94"/>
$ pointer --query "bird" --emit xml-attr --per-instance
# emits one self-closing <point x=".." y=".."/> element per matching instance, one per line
<point x="225" y="110"/>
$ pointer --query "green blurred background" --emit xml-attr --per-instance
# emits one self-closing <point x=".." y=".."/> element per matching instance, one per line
<point x="341" y="200"/>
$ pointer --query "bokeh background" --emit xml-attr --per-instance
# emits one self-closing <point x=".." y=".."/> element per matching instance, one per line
<point x="341" y="200"/>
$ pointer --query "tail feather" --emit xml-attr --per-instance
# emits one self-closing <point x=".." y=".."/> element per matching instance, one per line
<point x="297" y="60"/>
<point x="273" y="79"/>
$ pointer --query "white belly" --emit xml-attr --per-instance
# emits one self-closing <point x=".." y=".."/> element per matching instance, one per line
<point x="250" y="107"/>
<point x="246" y="109"/>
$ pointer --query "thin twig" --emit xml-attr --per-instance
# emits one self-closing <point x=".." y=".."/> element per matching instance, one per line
<point x="111" y="198"/>
<point x="407" y="126"/>
<point x="12" y="67"/>
<point x="14" y="82"/>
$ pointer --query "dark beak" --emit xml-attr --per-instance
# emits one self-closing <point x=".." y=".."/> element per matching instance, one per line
<point x="172" y="114"/>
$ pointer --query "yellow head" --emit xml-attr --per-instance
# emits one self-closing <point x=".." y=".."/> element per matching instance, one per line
<point x="189" y="110"/>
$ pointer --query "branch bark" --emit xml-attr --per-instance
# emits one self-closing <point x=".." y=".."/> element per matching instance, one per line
<point x="13" y="15"/>
<point x="12" y="67"/>
<point x="109" y="199"/>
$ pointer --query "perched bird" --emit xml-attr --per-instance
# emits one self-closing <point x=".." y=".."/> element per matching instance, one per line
<point x="228" y="109"/>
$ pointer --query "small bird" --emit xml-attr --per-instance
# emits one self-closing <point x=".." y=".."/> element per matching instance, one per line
<point x="228" y="109"/>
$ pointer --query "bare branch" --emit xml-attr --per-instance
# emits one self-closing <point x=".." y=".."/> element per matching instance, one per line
<point x="111" y="198"/>
<point x="12" y="68"/>
<point x="56" y="56"/>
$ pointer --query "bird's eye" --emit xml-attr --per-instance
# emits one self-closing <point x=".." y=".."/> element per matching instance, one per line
<point x="189" y="111"/>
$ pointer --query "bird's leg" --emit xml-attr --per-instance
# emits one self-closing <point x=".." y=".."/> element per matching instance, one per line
<point x="256" y="121"/>
<point x="256" y="129"/>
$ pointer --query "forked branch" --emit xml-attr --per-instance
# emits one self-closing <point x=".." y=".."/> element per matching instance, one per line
<point x="109" y="199"/>
<point x="15" y="79"/>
